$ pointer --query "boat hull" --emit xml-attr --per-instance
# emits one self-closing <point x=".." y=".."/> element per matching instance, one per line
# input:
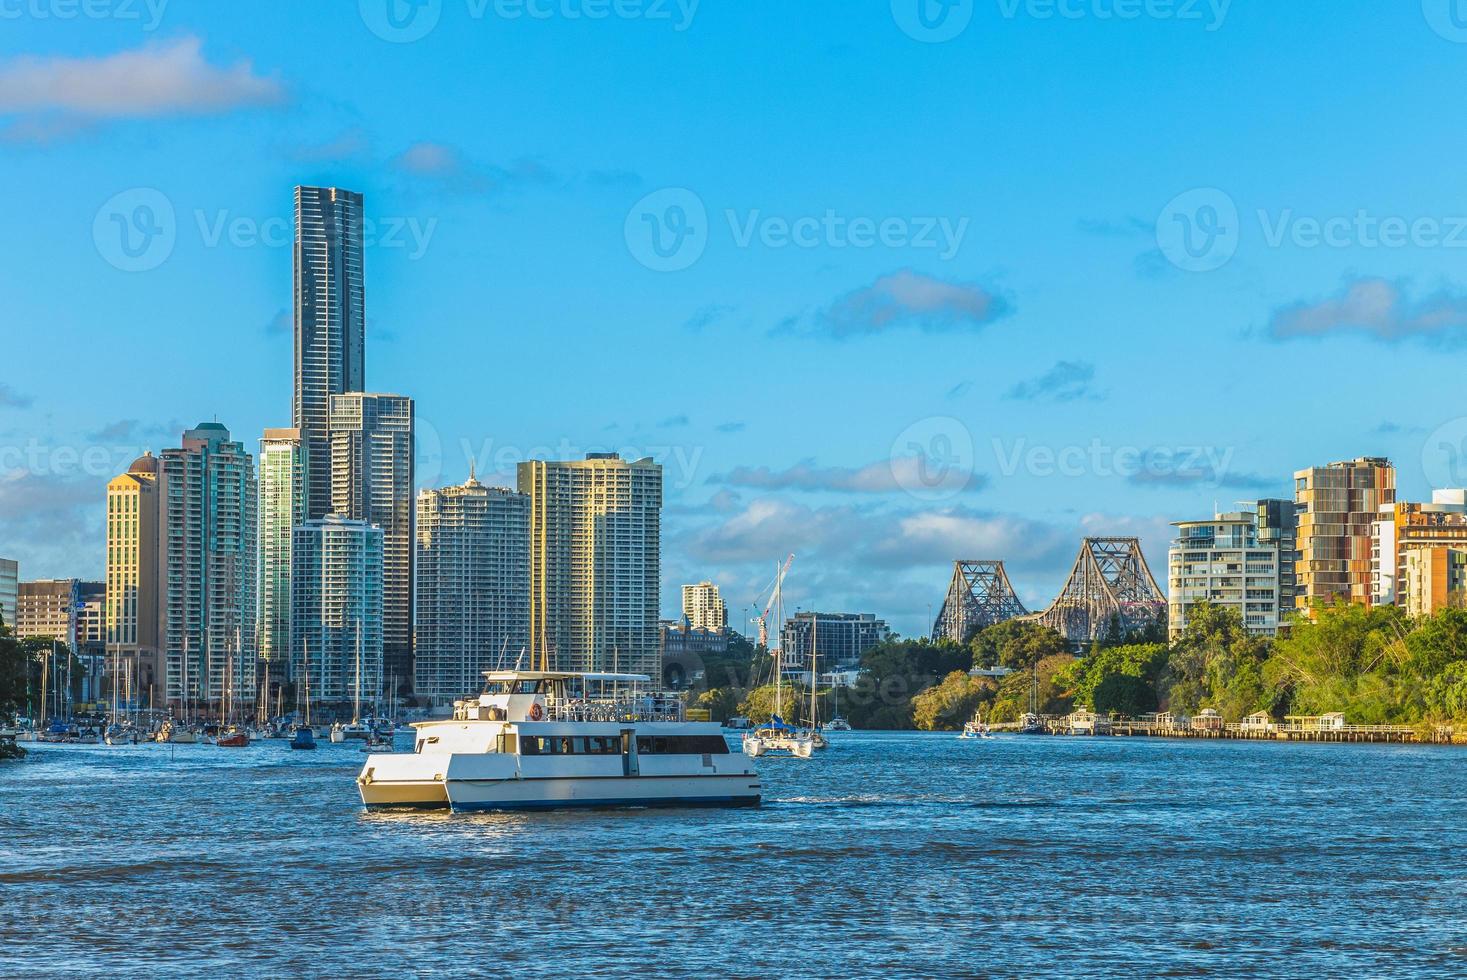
<point x="470" y="796"/>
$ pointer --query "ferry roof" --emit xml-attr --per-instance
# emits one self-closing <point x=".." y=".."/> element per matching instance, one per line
<point x="560" y="675"/>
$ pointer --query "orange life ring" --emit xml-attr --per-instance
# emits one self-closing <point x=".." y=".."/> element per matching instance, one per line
<point x="536" y="712"/>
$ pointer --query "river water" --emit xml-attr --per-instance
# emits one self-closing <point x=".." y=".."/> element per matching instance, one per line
<point x="889" y="855"/>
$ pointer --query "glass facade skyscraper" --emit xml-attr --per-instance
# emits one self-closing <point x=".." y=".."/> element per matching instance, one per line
<point x="283" y="494"/>
<point x="336" y="610"/>
<point x="372" y="481"/>
<point x="329" y="321"/>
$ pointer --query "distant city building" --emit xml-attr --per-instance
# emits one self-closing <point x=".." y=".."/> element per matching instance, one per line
<point x="704" y="607"/>
<point x="211" y="564"/>
<point x="47" y="609"/>
<point x="330" y="322"/>
<point x="336" y="623"/>
<point x="9" y="590"/>
<point x="473" y="575"/>
<point x="91" y="617"/>
<point x="283" y="486"/>
<point x="1337" y="509"/>
<point x="1402" y="528"/>
<point x="838" y="638"/>
<point x="135" y="612"/>
<point x="681" y="638"/>
<point x="683" y="648"/>
<point x="372" y="481"/>
<point x="1435" y="579"/>
<point x="1224" y="562"/>
<point x="1278" y="526"/>
<point x="595" y="563"/>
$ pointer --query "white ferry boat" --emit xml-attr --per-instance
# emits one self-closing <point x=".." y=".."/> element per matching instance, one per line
<point x="548" y="739"/>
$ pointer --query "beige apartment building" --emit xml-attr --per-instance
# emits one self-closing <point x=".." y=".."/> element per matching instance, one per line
<point x="595" y="563"/>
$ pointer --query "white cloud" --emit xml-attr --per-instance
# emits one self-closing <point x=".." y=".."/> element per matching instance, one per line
<point x="905" y="299"/>
<point x="153" y="81"/>
<point x="1376" y="308"/>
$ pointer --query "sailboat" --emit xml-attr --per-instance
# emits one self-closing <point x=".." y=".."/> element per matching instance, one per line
<point x="778" y="736"/>
<point x="305" y="737"/>
<point x="357" y="729"/>
<point x="235" y="737"/>
<point x="837" y="722"/>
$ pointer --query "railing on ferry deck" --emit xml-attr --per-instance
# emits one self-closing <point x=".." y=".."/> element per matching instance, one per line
<point x="642" y="707"/>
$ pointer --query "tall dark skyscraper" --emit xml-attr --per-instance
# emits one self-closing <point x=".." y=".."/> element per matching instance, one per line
<point x="329" y="322"/>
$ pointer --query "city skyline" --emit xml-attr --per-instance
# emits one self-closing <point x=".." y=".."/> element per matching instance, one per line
<point x="1059" y="331"/>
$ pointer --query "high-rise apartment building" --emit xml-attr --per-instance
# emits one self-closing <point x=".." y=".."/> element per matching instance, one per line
<point x="283" y="491"/>
<point x="704" y="607"/>
<point x="136" y="567"/>
<point x="1225" y="562"/>
<point x="372" y="481"/>
<point x="336" y="610"/>
<point x="1404" y="527"/>
<point x="210" y="505"/>
<point x="9" y="591"/>
<point x="1337" y="508"/>
<point x="473" y="586"/>
<point x="330" y="322"/>
<point x="595" y="563"/>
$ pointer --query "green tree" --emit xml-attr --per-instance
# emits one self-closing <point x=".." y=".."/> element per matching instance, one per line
<point x="1217" y="663"/>
<point x="1016" y="644"/>
<point x="1141" y="663"/>
<point x="1016" y="692"/>
<point x="949" y="705"/>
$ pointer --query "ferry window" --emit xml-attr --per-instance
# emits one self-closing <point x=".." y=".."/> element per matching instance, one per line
<point x="529" y="745"/>
<point x="682" y="745"/>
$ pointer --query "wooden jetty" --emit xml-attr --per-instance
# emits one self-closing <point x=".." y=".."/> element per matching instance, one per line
<point x="1260" y="727"/>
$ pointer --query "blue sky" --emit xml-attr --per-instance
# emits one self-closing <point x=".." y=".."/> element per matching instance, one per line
<point x="925" y="290"/>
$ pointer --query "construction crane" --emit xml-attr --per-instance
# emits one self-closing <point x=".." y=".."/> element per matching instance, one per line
<point x="774" y="591"/>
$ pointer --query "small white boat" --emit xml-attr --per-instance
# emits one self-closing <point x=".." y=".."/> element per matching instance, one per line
<point x="975" y="728"/>
<point x="338" y="734"/>
<point x="838" y="724"/>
